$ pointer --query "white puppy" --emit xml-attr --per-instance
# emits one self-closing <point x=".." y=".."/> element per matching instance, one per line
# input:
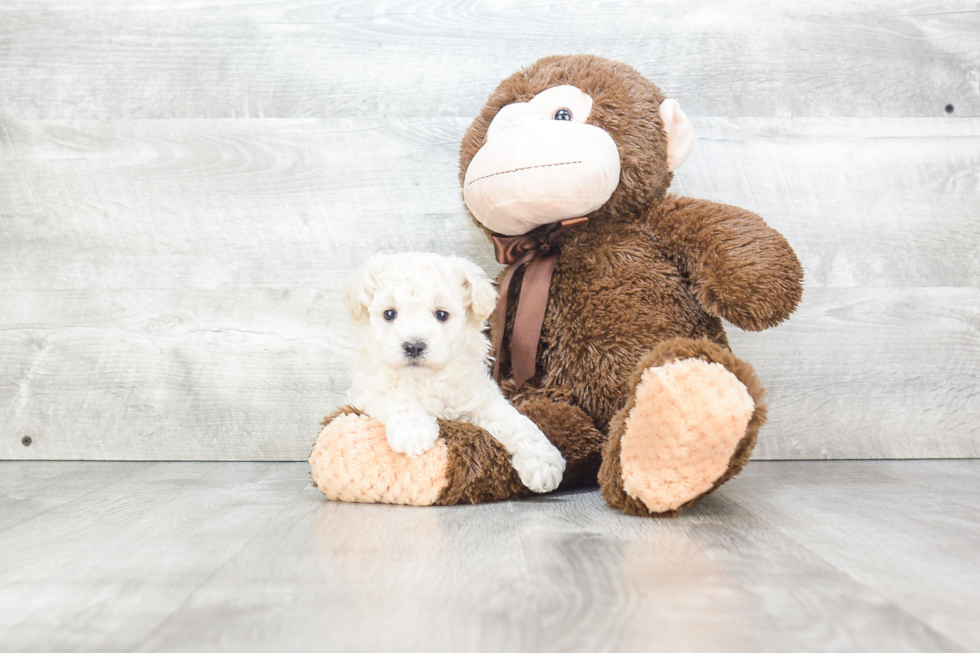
<point x="424" y="356"/>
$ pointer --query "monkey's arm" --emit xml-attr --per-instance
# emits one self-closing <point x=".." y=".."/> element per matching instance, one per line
<point x="739" y="267"/>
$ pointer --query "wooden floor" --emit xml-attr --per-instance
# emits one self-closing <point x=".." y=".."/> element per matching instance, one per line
<point x="791" y="556"/>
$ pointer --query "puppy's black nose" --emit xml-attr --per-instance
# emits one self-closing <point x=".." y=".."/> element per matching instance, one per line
<point x="413" y="348"/>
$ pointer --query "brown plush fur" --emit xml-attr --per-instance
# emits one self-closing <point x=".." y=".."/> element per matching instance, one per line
<point x="624" y="103"/>
<point x="479" y="467"/>
<point x="642" y="283"/>
<point x="647" y="278"/>
<point x="572" y="431"/>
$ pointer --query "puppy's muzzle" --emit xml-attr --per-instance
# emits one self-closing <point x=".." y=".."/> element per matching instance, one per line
<point x="413" y="348"/>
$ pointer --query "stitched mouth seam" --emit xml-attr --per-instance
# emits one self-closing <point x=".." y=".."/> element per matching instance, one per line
<point x="507" y="172"/>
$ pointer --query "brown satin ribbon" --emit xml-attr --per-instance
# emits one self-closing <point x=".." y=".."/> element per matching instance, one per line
<point x="538" y="249"/>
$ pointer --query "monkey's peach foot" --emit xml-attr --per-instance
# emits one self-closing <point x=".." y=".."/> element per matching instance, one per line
<point x="351" y="461"/>
<point x="682" y="433"/>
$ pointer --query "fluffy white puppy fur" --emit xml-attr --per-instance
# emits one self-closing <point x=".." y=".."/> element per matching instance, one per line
<point x="423" y="356"/>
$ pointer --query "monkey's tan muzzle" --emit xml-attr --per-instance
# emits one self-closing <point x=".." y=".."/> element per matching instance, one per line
<point x="537" y="171"/>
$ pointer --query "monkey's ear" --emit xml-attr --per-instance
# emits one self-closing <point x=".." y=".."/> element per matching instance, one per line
<point x="680" y="133"/>
<point x="361" y="288"/>
<point x="479" y="288"/>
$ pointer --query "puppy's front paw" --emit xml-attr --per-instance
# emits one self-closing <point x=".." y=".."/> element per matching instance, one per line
<point x="540" y="466"/>
<point x="412" y="434"/>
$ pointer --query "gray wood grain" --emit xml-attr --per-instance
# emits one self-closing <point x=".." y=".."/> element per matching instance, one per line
<point x="26" y="488"/>
<point x="872" y="373"/>
<point x="936" y="475"/>
<point x="901" y="513"/>
<point x="865" y="203"/>
<point x="221" y="59"/>
<point x="801" y="556"/>
<point x="173" y="287"/>
<point x="231" y="203"/>
<point x="103" y="570"/>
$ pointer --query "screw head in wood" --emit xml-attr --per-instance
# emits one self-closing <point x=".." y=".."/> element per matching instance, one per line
<point x="27" y="440"/>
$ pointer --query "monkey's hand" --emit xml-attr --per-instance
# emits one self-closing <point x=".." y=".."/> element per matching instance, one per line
<point x="740" y="268"/>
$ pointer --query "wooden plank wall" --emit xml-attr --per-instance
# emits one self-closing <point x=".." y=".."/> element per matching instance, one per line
<point x="185" y="186"/>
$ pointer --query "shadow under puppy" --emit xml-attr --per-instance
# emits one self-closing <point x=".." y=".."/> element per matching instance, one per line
<point x="423" y="356"/>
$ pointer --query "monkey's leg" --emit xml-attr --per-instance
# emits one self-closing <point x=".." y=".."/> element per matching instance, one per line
<point x="351" y="460"/>
<point x="689" y="426"/>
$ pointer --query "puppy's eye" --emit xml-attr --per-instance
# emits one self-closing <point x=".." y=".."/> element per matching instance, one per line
<point x="442" y="316"/>
<point x="563" y="114"/>
<point x="390" y="314"/>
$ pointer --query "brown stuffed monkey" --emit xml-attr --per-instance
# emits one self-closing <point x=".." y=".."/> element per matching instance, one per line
<point x="608" y="332"/>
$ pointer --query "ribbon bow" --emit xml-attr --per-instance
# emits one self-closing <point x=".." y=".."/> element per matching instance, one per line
<point x="539" y="250"/>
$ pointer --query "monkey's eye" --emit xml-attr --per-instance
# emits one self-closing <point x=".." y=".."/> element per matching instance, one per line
<point x="390" y="314"/>
<point x="442" y="316"/>
<point x="563" y="114"/>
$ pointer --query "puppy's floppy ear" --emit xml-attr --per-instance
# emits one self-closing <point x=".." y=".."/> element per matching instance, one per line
<point x="362" y="286"/>
<point x="477" y="287"/>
